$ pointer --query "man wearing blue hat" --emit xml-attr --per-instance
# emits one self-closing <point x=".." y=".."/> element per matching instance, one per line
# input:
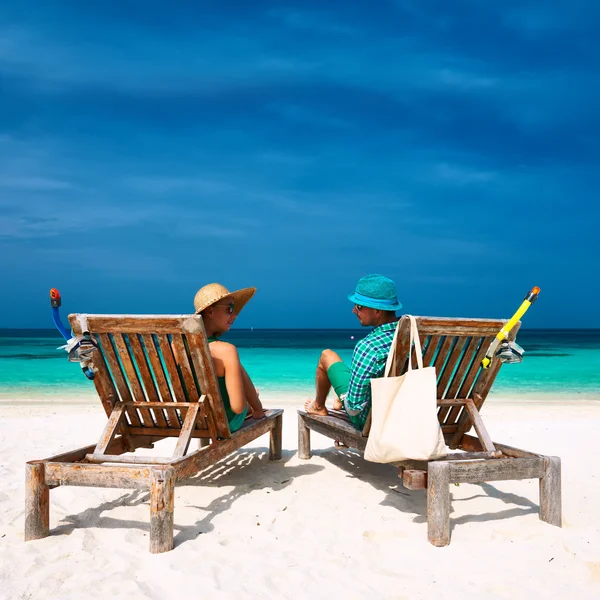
<point x="375" y="305"/>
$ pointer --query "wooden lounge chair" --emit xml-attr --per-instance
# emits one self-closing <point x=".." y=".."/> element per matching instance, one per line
<point x="455" y="347"/>
<point x="155" y="378"/>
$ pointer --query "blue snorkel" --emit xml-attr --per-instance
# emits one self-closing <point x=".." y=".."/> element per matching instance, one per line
<point x="80" y="348"/>
<point x="55" y="302"/>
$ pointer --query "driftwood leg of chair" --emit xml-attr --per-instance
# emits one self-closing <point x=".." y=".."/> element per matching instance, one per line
<point x="37" y="502"/>
<point x="275" y="439"/>
<point x="162" y="496"/>
<point x="438" y="503"/>
<point x="550" y="492"/>
<point x="303" y="439"/>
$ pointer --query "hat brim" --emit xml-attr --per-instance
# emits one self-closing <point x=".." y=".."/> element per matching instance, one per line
<point x="240" y="299"/>
<point x="374" y="304"/>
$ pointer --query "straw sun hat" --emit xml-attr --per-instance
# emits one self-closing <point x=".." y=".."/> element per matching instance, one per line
<point x="213" y="292"/>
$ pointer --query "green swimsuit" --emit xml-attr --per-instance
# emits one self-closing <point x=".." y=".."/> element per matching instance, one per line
<point x="235" y="420"/>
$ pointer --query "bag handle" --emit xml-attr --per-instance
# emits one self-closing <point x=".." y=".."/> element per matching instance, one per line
<point x="414" y="338"/>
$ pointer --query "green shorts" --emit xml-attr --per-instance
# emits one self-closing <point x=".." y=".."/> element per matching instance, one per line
<point x="339" y="376"/>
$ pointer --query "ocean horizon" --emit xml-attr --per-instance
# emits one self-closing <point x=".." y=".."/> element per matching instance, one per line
<point x="558" y="363"/>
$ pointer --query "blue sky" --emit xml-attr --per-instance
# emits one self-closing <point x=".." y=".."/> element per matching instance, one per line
<point x="148" y="148"/>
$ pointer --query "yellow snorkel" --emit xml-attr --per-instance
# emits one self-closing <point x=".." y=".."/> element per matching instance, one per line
<point x="509" y="352"/>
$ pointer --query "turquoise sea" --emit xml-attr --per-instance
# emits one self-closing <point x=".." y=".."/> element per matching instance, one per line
<point x="557" y="363"/>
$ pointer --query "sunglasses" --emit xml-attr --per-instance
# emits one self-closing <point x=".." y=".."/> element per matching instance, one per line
<point x="358" y="307"/>
<point x="230" y="307"/>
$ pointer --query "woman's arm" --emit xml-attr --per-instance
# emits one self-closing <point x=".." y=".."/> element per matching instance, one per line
<point x="252" y="396"/>
<point x="234" y="377"/>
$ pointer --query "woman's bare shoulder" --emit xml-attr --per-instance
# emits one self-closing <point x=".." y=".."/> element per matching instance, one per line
<point x="223" y="349"/>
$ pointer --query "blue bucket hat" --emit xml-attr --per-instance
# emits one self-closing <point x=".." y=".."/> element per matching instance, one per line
<point x="376" y="291"/>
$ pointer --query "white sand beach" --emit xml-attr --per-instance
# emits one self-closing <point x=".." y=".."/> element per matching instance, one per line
<point x="334" y="526"/>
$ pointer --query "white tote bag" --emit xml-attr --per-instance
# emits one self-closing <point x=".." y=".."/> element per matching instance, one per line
<point x="404" y="411"/>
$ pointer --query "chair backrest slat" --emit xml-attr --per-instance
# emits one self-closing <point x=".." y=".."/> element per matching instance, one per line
<point x="117" y="376"/>
<point x="455" y="347"/>
<point x="205" y="371"/>
<point x="449" y="369"/>
<point x="183" y="367"/>
<point x="150" y="358"/>
<point x="161" y="378"/>
<point x="145" y="374"/>
<point x="132" y="378"/>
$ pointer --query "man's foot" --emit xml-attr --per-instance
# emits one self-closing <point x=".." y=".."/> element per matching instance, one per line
<point x="311" y="407"/>
<point x="337" y="404"/>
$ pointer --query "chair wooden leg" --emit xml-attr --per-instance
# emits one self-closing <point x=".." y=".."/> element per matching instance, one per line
<point x="303" y="439"/>
<point x="275" y="439"/>
<point x="162" y="497"/>
<point x="37" y="502"/>
<point x="550" y="492"/>
<point x="438" y="503"/>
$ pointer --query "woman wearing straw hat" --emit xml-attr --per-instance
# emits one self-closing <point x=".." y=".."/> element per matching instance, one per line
<point x="219" y="309"/>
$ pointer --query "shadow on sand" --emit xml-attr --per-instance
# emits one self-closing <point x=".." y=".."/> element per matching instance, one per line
<point x="383" y="477"/>
<point x="247" y="470"/>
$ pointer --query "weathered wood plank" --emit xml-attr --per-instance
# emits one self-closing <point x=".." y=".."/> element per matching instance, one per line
<point x="458" y="326"/>
<point x="171" y="372"/>
<point x="168" y="432"/>
<point x="550" y="492"/>
<point x="162" y="503"/>
<point x="181" y="405"/>
<point x="471" y="455"/>
<point x="117" y="376"/>
<point x="184" y="369"/>
<point x="452" y="402"/>
<point x="441" y="358"/>
<point x="438" y="503"/>
<point x="128" y="460"/>
<point x="161" y="379"/>
<point x="209" y="420"/>
<point x="465" y="361"/>
<point x="37" y="501"/>
<point x="189" y="465"/>
<point x="83" y="474"/>
<point x="107" y="392"/>
<point x="205" y="371"/>
<point x="352" y="439"/>
<point x="444" y="377"/>
<point x="110" y="430"/>
<point x="131" y="375"/>
<point x="432" y="346"/>
<point x="303" y="438"/>
<point x="456" y="414"/>
<point x="147" y="379"/>
<point x="496" y="470"/>
<point x="145" y="324"/>
<point x="275" y="439"/>
<point x="117" y="446"/>
<point x="514" y="452"/>
<point x="480" y="428"/>
<point x="413" y="479"/>
<point x="189" y="424"/>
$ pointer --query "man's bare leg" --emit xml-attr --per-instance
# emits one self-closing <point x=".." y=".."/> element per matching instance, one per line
<point x="323" y="385"/>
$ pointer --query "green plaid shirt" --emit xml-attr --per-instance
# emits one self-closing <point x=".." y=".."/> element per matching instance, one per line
<point x="368" y="362"/>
